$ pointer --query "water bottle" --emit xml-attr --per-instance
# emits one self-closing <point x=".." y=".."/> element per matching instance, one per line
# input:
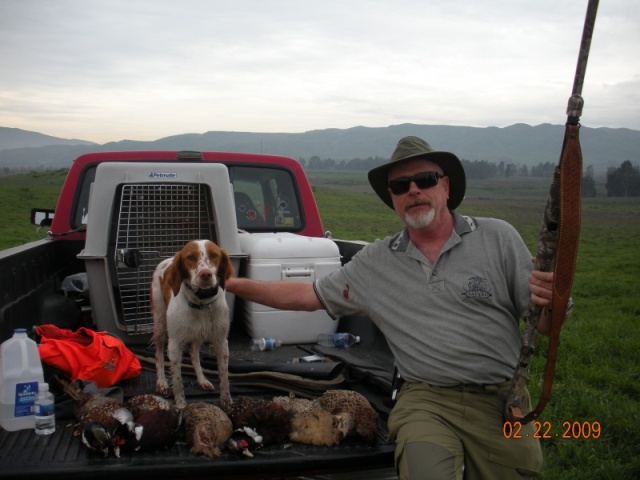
<point x="338" y="340"/>
<point x="20" y="373"/>
<point x="266" y="343"/>
<point x="44" y="411"/>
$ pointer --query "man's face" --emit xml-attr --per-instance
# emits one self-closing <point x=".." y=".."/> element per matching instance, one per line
<point x="419" y="207"/>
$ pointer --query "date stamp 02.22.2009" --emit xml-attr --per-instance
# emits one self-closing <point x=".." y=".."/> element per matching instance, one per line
<point x="545" y="430"/>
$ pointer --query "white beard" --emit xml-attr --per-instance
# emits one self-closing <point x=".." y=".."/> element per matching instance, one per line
<point x="420" y="219"/>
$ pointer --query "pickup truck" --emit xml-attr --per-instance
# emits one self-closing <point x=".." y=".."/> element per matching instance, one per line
<point x="117" y="216"/>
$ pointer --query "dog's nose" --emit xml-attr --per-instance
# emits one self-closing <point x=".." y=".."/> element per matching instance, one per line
<point x="205" y="275"/>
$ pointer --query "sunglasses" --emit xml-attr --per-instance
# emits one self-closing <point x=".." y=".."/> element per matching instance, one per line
<point x="423" y="180"/>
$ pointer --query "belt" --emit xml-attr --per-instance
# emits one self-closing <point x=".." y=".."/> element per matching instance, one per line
<point x="472" y="388"/>
<point x="475" y="388"/>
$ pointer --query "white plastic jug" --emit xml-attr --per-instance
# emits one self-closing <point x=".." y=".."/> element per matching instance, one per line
<point x="20" y="372"/>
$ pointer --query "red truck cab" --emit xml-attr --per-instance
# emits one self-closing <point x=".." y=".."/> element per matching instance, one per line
<point x="271" y="192"/>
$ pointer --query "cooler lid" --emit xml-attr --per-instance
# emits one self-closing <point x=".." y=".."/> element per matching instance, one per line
<point x="286" y="245"/>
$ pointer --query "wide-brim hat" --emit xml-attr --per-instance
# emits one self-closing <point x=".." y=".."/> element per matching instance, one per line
<point x="413" y="147"/>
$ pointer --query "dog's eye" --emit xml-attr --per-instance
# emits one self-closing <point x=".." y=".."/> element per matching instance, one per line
<point x="191" y="258"/>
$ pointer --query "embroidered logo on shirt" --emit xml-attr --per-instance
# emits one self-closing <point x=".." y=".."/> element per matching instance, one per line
<point x="478" y="288"/>
<point x="345" y="292"/>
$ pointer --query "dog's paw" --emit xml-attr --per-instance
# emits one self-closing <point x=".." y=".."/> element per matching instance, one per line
<point x="206" y="385"/>
<point x="181" y="403"/>
<point x="162" y="388"/>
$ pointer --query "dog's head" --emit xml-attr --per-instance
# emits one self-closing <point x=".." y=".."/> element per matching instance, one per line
<point x="202" y="265"/>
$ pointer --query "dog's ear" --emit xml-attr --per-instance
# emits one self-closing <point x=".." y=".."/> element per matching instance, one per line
<point x="225" y="269"/>
<point x="180" y="263"/>
<point x="173" y="275"/>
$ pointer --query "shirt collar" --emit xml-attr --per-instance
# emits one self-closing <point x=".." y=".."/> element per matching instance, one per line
<point x="461" y="225"/>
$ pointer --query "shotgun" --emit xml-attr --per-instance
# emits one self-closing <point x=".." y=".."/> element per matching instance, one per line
<point x="557" y="244"/>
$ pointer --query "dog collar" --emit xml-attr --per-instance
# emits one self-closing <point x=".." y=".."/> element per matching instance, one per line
<point x="203" y="294"/>
<point x="207" y="292"/>
<point x="198" y="306"/>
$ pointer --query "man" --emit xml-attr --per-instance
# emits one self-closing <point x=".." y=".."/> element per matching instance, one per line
<point x="447" y="292"/>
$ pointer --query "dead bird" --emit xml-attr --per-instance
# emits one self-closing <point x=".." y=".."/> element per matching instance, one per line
<point x="362" y="417"/>
<point x="312" y="424"/>
<point x="316" y="426"/>
<point x="293" y="404"/>
<point x="245" y="440"/>
<point x="95" y="437"/>
<point x="330" y="418"/>
<point x="156" y="423"/>
<point x="103" y="423"/>
<point x="269" y="419"/>
<point x="207" y="428"/>
<point x="147" y="402"/>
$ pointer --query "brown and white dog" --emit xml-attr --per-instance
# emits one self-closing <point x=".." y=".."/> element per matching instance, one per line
<point x="189" y="307"/>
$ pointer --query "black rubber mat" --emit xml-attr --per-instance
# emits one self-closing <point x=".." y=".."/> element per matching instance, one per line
<point x="364" y="368"/>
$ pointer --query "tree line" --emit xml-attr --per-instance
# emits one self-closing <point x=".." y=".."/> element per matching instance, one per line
<point x="623" y="181"/>
<point x="477" y="169"/>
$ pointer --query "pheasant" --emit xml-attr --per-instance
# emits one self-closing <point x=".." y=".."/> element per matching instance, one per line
<point x="363" y="417"/>
<point x="156" y="422"/>
<point x="207" y="428"/>
<point x="266" y="417"/>
<point x="102" y="422"/>
<point x="330" y="418"/>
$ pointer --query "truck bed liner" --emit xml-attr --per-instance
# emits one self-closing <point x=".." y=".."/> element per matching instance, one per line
<point x="61" y="455"/>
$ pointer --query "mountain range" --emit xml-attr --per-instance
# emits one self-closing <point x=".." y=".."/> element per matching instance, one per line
<point x="520" y="144"/>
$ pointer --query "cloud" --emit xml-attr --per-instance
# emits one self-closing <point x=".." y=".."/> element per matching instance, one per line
<point x="106" y="70"/>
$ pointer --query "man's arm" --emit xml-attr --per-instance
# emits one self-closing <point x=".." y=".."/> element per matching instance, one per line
<point x="280" y="295"/>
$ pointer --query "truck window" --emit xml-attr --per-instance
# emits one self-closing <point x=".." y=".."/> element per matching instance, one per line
<point x="81" y="206"/>
<point x="265" y="199"/>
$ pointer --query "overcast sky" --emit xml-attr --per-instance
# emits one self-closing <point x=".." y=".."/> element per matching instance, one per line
<point x="107" y="70"/>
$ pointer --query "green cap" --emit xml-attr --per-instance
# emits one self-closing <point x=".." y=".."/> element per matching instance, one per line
<point x="413" y="147"/>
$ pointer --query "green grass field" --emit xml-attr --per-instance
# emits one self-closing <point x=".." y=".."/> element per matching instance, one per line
<point x="18" y="195"/>
<point x="597" y="381"/>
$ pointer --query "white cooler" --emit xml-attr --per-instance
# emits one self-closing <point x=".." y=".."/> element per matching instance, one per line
<point x="288" y="257"/>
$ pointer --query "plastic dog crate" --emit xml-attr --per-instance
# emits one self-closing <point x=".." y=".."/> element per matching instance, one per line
<point x="139" y="214"/>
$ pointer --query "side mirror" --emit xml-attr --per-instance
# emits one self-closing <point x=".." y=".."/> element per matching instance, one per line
<point x="42" y="217"/>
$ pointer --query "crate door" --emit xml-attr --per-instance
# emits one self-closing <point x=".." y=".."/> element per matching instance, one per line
<point x="155" y="220"/>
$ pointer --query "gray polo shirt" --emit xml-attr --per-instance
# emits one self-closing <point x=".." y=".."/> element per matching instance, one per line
<point x="448" y="323"/>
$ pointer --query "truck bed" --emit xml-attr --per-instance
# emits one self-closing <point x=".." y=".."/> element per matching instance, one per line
<point x="30" y="279"/>
<point x="366" y="368"/>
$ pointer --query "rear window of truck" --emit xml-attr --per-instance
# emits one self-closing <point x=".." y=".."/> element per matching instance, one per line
<point x="266" y="199"/>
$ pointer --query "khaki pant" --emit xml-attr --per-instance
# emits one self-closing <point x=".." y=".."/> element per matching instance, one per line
<point x="456" y="433"/>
